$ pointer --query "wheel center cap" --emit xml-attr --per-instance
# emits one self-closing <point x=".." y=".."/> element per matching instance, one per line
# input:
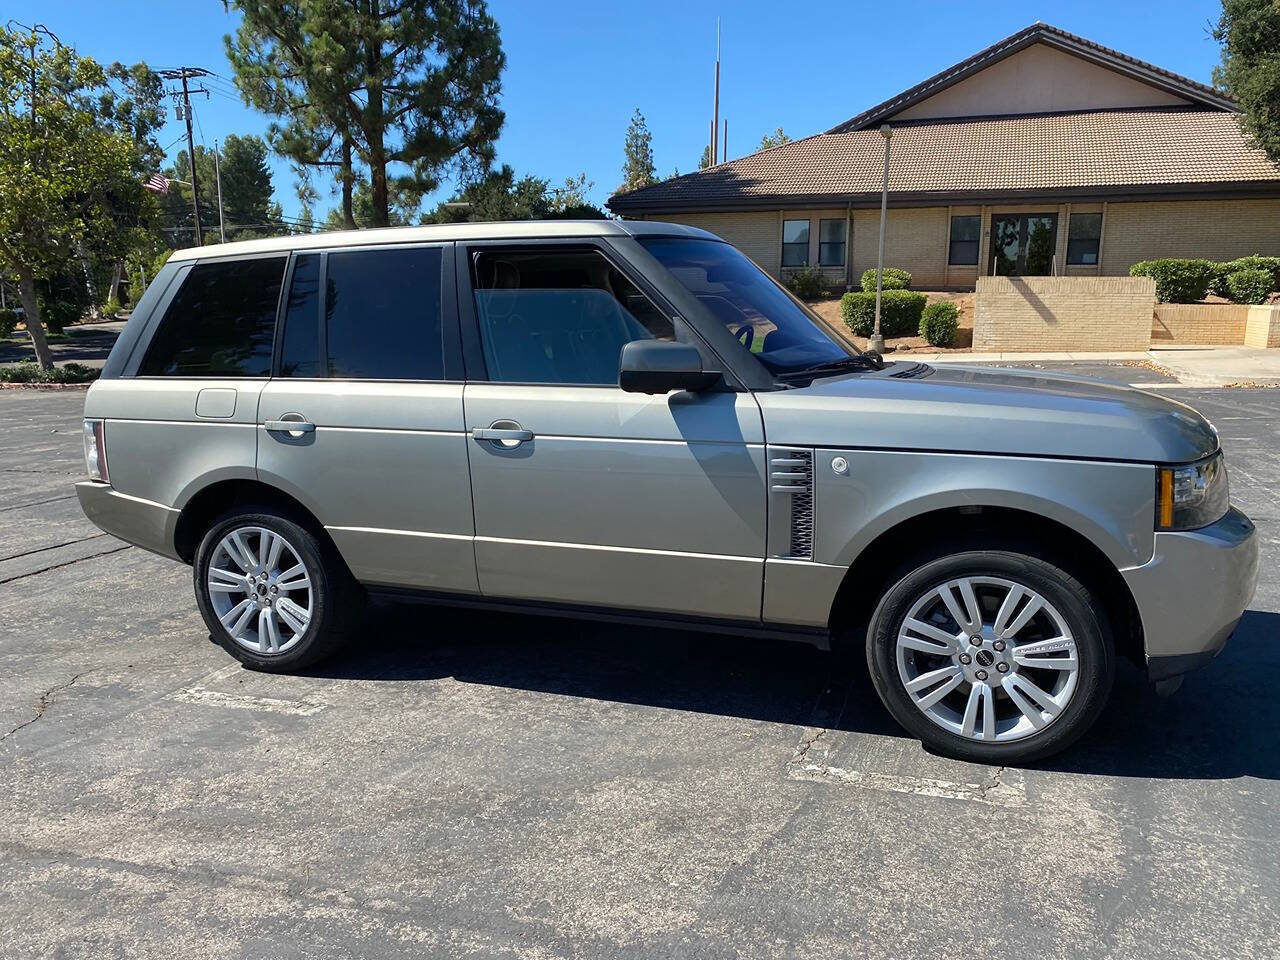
<point x="985" y="658"/>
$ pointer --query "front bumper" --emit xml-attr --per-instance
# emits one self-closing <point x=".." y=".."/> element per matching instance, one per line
<point x="135" y="520"/>
<point x="1192" y="593"/>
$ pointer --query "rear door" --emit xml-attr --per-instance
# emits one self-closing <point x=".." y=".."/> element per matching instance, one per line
<point x="586" y="494"/>
<point x="362" y="421"/>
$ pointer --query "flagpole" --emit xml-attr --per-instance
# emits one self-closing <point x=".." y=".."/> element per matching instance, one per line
<point x="217" y="172"/>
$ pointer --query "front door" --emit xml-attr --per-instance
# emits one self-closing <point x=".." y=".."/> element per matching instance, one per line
<point x="1023" y="244"/>
<point x="362" y="424"/>
<point x="585" y="494"/>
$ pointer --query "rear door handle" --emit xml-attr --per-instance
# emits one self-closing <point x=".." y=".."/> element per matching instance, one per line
<point x="290" y="426"/>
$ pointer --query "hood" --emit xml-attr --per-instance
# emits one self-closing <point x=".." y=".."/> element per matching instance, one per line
<point x="989" y="410"/>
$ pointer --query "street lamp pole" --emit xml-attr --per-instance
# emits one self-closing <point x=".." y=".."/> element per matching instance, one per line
<point x="876" y="342"/>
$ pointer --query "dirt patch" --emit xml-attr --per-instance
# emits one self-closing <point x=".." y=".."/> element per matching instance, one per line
<point x="829" y="311"/>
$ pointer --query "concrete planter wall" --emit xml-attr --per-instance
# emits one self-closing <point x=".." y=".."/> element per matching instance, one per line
<point x="1205" y="323"/>
<point x="1262" y="328"/>
<point x="1063" y="313"/>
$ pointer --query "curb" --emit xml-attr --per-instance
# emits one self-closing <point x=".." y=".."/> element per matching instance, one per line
<point x="46" y="386"/>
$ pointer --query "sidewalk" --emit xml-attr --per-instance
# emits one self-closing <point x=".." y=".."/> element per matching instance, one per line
<point x="1192" y="366"/>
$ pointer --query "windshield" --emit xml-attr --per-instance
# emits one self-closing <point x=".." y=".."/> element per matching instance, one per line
<point x="763" y="316"/>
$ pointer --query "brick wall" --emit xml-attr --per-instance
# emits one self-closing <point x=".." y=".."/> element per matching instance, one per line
<point x="1214" y="229"/>
<point x="758" y="234"/>
<point x="1262" y="328"/>
<point x="1221" y="323"/>
<point x="1063" y="313"/>
<point x="915" y="240"/>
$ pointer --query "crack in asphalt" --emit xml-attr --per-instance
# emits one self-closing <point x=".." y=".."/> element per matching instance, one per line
<point x="66" y="563"/>
<point x="69" y="543"/>
<point x="37" y="503"/>
<point x="994" y="782"/>
<point x="43" y="704"/>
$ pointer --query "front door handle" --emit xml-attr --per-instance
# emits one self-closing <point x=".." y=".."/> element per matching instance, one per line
<point x="503" y="433"/>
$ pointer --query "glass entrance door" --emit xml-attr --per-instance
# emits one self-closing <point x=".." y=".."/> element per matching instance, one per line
<point x="1022" y="244"/>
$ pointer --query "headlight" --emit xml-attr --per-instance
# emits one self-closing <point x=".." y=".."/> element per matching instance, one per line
<point x="95" y="450"/>
<point x="1192" y="496"/>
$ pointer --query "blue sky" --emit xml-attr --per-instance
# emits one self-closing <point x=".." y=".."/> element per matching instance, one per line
<point x="578" y="68"/>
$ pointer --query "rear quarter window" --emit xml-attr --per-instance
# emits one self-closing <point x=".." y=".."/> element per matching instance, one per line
<point x="220" y="323"/>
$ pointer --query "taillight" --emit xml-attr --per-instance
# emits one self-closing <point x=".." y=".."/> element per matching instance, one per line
<point x="95" y="450"/>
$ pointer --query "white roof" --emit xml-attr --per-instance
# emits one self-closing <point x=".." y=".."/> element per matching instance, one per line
<point x="515" y="230"/>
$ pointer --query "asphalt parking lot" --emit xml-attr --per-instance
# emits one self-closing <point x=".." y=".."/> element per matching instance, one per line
<point x="464" y="784"/>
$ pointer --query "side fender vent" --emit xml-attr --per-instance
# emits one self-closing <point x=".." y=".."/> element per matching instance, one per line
<point x="791" y="474"/>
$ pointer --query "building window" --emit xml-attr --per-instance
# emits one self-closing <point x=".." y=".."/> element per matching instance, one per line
<point x="795" y="243"/>
<point x="1084" y="235"/>
<point x="831" y="243"/>
<point x="965" y="232"/>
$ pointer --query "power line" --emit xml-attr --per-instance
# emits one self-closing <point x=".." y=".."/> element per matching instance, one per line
<point x="184" y="74"/>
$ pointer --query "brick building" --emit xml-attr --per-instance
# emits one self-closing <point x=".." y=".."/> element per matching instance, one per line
<point x="1044" y="154"/>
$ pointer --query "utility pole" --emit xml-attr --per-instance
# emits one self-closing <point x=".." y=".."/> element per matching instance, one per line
<point x="184" y="74"/>
<point x="724" y="145"/>
<point x="715" y="109"/>
<point x="217" y="172"/>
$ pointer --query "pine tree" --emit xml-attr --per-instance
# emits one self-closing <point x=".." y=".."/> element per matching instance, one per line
<point x="637" y="165"/>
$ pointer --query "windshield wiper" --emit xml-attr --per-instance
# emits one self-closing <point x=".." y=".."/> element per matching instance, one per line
<point x="861" y="361"/>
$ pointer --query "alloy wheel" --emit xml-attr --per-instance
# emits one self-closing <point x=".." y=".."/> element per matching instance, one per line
<point x="987" y="658"/>
<point x="260" y="589"/>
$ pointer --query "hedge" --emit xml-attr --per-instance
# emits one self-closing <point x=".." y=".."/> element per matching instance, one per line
<point x="1177" y="281"/>
<point x="1250" y="286"/>
<point x="939" y="322"/>
<point x="32" y="373"/>
<point x="808" y="283"/>
<point x="900" y="312"/>
<point x="1221" y="271"/>
<point x="894" y="279"/>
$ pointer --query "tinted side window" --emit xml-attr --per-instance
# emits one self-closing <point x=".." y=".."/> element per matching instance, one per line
<point x="559" y="316"/>
<point x="221" y="323"/>
<point x="300" y="348"/>
<point x="382" y="314"/>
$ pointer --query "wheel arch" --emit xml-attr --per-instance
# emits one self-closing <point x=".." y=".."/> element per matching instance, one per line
<point x="207" y="503"/>
<point x="877" y="565"/>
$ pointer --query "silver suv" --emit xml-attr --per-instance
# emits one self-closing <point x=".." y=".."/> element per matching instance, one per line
<point x="631" y="420"/>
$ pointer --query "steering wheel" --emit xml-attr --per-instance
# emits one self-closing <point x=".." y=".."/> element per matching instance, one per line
<point x="746" y="335"/>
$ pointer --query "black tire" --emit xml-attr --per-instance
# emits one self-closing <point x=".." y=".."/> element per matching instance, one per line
<point x="1006" y="561"/>
<point x="336" y="599"/>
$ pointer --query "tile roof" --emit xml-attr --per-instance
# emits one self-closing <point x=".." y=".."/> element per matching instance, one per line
<point x="1198" y="93"/>
<point x="1098" y="153"/>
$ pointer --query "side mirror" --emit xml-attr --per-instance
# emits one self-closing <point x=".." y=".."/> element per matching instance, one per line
<point x="660" y="366"/>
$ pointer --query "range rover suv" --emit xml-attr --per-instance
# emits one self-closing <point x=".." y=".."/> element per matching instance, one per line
<point x="632" y="420"/>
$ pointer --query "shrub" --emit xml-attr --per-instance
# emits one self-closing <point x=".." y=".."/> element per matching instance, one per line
<point x="1250" y="286"/>
<point x="8" y="320"/>
<point x="808" y="283"/>
<point x="1223" y="270"/>
<point x="59" y="314"/>
<point x="31" y="373"/>
<point x="939" y="322"/>
<point x="894" y="279"/>
<point x="900" y="312"/>
<point x="1177" y="281"/>
<point x="111" y="308"/>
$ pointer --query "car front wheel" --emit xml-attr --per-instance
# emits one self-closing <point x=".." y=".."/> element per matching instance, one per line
<point x="994" y="656"/>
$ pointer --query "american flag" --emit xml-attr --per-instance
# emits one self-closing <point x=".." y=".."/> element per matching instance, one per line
<point x="157" y="183"/>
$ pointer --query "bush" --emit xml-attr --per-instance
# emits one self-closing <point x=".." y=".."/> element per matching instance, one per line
<point x="900" y="312"/>
<point x="59" y="314"/>
<point x="1177" y="281"/>
<point x="1250" y="286"/>
<point x="8" y="320"/>
<point x="939" y="322"/>
<point x="31" y="373"/>
<point x="894" y="279"/>
<point x="808" y="283"/>
<point x="1223" y="270"/>
<point x="111" y="308"/>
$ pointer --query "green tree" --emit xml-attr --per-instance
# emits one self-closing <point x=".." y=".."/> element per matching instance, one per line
<point x="410" y="87"/>
<point x="1249" y="31"/>
<point x="637" y="165"/>
<point x="496" y="196"/>
<point x="705" y="160"/>
<point x="775" y="139"/>
<point x="67" y="172"/>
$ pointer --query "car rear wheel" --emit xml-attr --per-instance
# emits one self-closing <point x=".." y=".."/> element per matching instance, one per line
<point x="993" y="655"/>
<point x="271" y="593"/>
